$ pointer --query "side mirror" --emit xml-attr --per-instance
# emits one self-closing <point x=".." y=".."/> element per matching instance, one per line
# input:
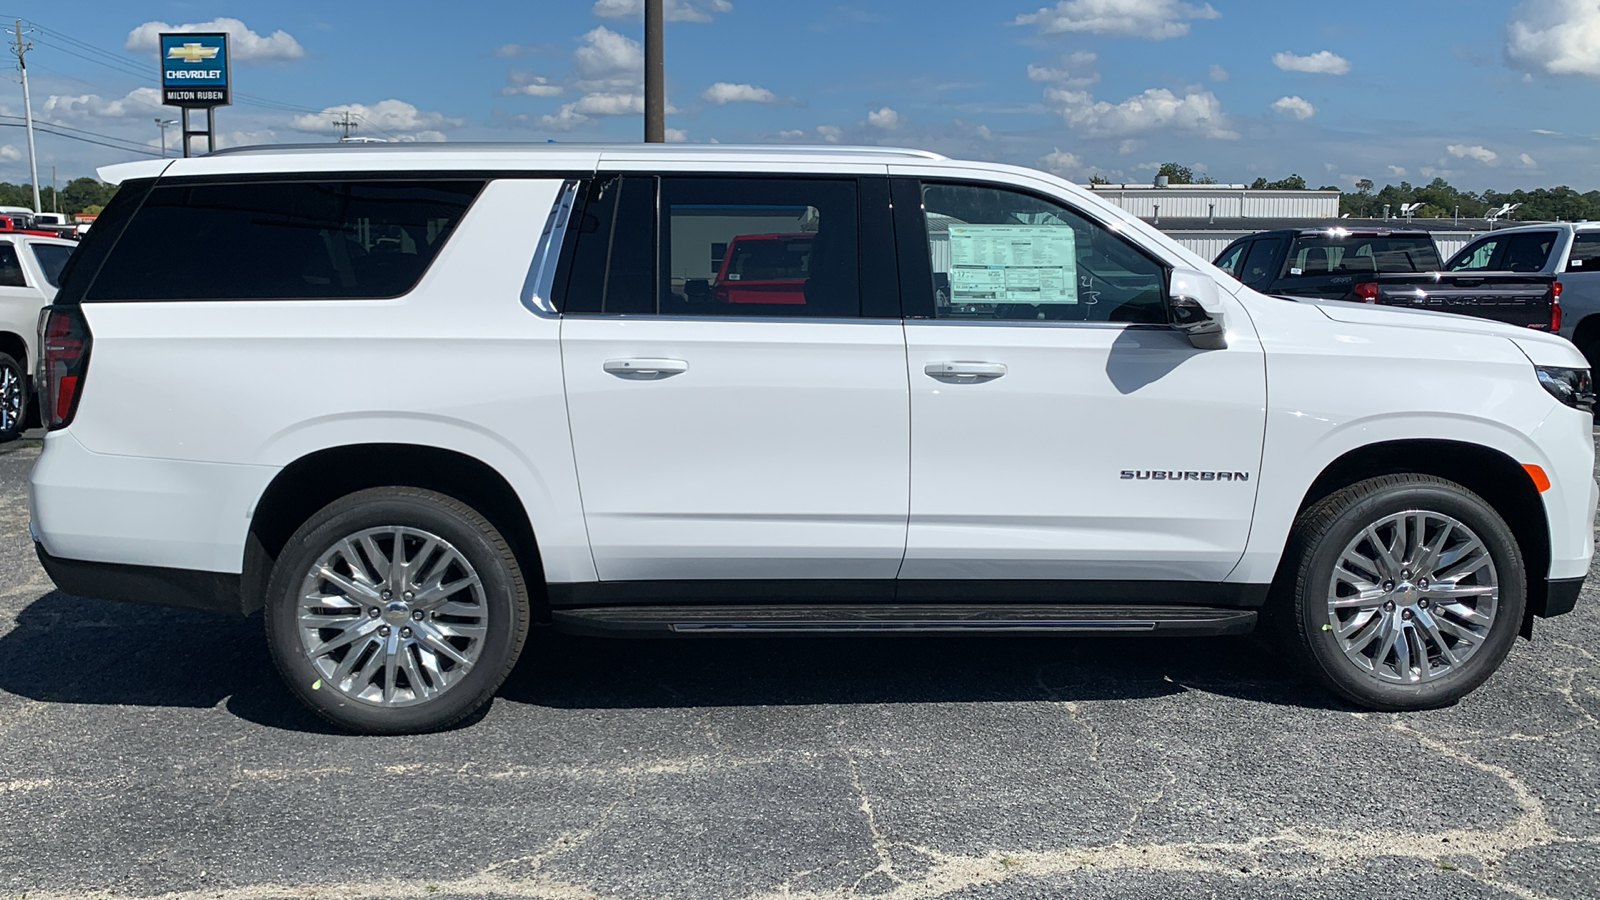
<point x="1194" y="307"/>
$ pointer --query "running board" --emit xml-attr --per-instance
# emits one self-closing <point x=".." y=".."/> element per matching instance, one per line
<point x="642" y="621"/>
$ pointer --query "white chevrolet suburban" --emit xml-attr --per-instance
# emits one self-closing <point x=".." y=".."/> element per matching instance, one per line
<point x="30" y="270"/>
<point x="410" y="401"/>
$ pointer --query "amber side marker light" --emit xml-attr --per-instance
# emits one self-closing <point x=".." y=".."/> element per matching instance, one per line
<point x="1540" y="479"/>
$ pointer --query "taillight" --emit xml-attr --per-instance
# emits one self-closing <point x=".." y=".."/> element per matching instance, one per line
<point x="64" y="342"/>
<point x="1555" y="307"/>
<point x="1367" y="291"/>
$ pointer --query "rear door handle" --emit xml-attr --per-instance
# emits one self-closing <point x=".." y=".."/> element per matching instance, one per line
<point x="646" y="369"/>
<point x="964" y="372"/>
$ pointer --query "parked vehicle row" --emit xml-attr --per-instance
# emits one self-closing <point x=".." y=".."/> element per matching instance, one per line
<point x="1391" y="268"/>
<point x="951" y="396"/>
<point x="30" y="273"/>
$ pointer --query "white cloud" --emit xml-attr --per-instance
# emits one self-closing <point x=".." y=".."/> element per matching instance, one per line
<point x="1154" y="19"/>
<point x="830" y="133"/>
<point x="1294" y="106"/>
<point x="671" y="10"/>
<point x="10" y="153"/>
<point x="1322" y="62"/>
<point x="528" y="84"/>
<point x="1397" y="171"/>
<point x="384" y="119"/>
<point x="727" y="92"/>
<point x="608" y="60"/>
<point x="83" y="107"/>
<point x="884" y="118"/>
<point x="1077" y="71"/>
<point x="676" y="135"/>
<point x="245" y="45"/>
<point x="1060" y="163"/>
<point x="1554" y="37"/>
<point x="1527" y="161"/>
<point x="1157" y="109"/>
<point x="791" y="134"/>
<point x="1129" y="146"/>
<point x="1217" y="73"/>
<point x="1473" y="151"/>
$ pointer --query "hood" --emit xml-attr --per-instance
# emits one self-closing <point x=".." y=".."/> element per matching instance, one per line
<point x="1543" y="348"/>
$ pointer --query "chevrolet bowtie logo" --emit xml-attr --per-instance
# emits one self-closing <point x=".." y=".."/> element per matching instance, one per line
<point x="192" y="53"/>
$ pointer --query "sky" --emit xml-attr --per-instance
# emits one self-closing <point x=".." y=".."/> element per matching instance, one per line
<point x="1484" y="93"/>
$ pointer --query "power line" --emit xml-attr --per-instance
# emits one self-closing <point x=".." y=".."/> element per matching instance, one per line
<point x="72" y="137"/>
<point x="57" y="125"/>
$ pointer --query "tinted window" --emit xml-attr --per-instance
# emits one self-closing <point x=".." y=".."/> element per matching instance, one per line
<point x="999" y="254"/>
<point x="52" y="258"/>
<point x="1585" y="255"/>
<point x="1314" y="255"/>
<point x="10" y="267"/>
<point x="1231" y="258"/>
<point x="1260" y="268"/>
<point x="282" y="240"/>
<point x="751" y="247"/>
<point x="1521" y="252"/>
<point x="612" y="267"/>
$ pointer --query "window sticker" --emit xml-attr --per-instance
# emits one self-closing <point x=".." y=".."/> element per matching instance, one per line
<point x="1013" y="264"/>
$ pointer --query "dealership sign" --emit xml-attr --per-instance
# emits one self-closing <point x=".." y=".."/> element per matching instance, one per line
<point x="194" y="70"/>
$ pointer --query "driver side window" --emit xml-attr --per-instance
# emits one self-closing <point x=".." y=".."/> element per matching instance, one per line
<point x="999" y="254"/>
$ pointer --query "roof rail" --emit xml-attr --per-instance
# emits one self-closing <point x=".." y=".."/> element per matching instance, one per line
<point x="553" y="147"/>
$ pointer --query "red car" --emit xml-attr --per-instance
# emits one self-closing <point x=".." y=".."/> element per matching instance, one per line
<point x="763" y="268"/>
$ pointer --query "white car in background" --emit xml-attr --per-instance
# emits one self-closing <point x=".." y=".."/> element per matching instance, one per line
<point x="30" y="272"/>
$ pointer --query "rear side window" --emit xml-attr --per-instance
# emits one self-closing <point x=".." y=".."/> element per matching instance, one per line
<point x="10" y="267"/>
<point x="1260" y="268"/>
<point x="52" y="259"/>
<point x="283" y="240"/>
<point x="1232" y="258"/>
<point x="1585" y="255"/>
<point x="1525" y="251"/>
<point x="1314" y="255"/>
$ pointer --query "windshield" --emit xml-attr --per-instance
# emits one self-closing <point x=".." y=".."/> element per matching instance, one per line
<point x="1320" y="254"/>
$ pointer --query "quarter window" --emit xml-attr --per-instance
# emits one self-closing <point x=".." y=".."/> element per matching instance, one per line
<point x="999" y="254"/>
<point x="283" y="240"/>
<point x="52" y="258"/>
<point x="1585" y="255"/>
<point x="10" y="267"/>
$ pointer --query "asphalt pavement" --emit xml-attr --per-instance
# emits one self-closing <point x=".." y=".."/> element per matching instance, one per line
<point x="153" y="752"/>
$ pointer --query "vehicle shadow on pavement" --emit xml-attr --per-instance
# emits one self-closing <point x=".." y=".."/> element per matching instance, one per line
<point x="69" y="650"/>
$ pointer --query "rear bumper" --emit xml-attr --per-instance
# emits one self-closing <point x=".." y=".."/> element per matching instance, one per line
<point x="1560" y="597"/>
<point x="187" y="588"/>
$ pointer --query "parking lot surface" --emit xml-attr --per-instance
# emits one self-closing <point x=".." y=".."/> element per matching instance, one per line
<point x="147" y="752"/>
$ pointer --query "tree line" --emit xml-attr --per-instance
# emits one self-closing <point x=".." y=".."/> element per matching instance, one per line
<point x="80" y="195"/>
<point x="1439" y="199"/>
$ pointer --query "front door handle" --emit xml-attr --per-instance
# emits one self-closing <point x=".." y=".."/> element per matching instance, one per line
<point x="964" y="372"/>
<point x="646" y="369"/>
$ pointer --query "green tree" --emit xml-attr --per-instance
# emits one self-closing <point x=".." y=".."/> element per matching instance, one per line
<point x="1099" y="179"/>
<point x="1176" y="174"/>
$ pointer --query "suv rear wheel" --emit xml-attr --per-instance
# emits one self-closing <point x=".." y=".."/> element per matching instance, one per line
<point x="1407" y="592"/>
<point x="13" y="398"/>
<point x="396" y="610"/>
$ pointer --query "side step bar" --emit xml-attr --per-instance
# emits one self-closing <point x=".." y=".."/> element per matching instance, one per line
<point x="660" y="621"/>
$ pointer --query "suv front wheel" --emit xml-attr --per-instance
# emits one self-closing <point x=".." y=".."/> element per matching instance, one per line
<point x="1407" y="591"/>
<point x="396" y="610"/>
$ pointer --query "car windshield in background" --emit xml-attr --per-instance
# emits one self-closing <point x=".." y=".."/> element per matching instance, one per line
<point x="51" y="257"/>
<point x="1320" y="254"/>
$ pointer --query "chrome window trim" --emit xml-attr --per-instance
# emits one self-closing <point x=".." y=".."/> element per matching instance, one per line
<point x="540" y="283"/>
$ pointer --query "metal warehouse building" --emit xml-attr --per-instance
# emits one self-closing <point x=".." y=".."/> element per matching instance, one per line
<point x="1208" y="217"/>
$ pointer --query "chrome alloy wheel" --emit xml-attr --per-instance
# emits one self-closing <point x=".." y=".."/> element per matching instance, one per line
<point x="10" y="398"/>
<point x="392" y="616"/>
<point x="1413" y="597"/>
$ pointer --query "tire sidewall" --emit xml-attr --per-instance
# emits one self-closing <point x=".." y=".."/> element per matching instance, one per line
<point x="21" y="424"/>
<point x="1312" y="614"/>
<point x="507" y="612"/>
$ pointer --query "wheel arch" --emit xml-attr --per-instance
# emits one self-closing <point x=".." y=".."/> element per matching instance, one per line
<point x="317" y="479"/>
<point x="1587" y="336"/>
<point x="1491" y="474"/>
<point x="16" y="346"/>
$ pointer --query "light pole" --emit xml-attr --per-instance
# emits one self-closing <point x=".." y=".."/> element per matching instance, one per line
<point x="655" y="93"/>
<point x="162" y="124"/>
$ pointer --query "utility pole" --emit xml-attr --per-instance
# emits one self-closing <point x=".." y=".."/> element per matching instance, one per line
<point x="346" y="122"/>
<point x="655" y="91"/>
<point x="55" y="192"/>
<point x="162" y="124"/>
<point x="20" y="48"/>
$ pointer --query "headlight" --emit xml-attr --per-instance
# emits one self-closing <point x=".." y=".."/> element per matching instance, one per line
<point x="1574" y="387"/>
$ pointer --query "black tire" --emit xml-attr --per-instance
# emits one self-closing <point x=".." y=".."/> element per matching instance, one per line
<point x="1320" y="538"/>
<point x="504" y="607"/>
<point x="13" y="398"/>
